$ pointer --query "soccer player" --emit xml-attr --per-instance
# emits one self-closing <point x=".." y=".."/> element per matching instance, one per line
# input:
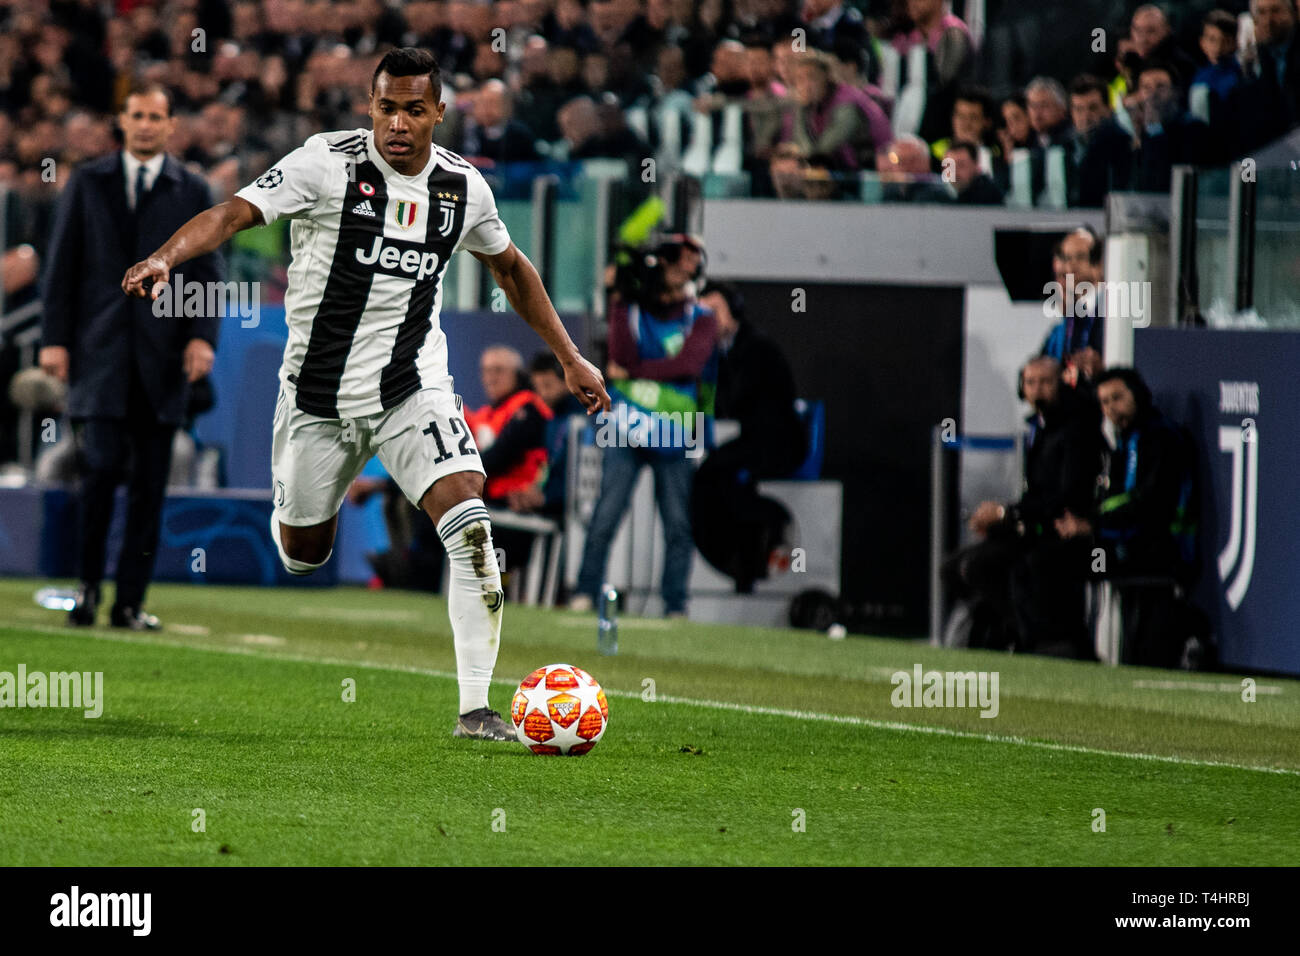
<point x="377" y="215"/>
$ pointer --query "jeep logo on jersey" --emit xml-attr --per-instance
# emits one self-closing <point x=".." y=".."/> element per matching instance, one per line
<point x="447" y="204"/>
<point x="405" y="260"/>
<point x="405" y="213"/>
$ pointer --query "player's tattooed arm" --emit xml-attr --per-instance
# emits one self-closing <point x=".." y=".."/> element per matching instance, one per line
<point x="525" y="292"/>
<point x="204" y="233"/>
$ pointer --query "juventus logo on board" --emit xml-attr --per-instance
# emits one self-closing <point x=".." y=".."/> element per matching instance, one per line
<point x="447" y="206"/>
<point x="1242" y="442"/>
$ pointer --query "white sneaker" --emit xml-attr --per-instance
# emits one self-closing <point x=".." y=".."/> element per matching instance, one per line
<point x="580" y="602"/>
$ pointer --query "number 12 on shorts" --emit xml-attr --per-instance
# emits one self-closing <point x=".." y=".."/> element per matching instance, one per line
<point x="457" y="429"/>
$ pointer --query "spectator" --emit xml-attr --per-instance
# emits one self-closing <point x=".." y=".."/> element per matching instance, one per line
<point x="1126" y="64"/>
<point x="661" y="362"/>
<point x="1267" y="103"/>
<point x="1099" y="157"/>
<point x="1218" y="44"/>
<point x="1049" y="124"/>
<point x="788" y="169"/>
<point x="848" y="70"/>
<point x="835" y="27"/>
<point x="834" y="120"/>
<point x="540" y="103"/>
<point x="952" y="54"/>
<point x="735" y="528"/>
<point x="1076" y="341"/>
<point x="595" y="132"/>
<point x="492" y="136"/>
<point x="1013" y="131"/>
<point x="1168" y="134"/>
<point x="510" y="430"/>
<point x="673" y="96"/>
<point x="1153" y="40"/>
<point x="972" y="121"/>
<point x="571" y="29"/>
<point x="974" y="186"/>
<point x="1216" y="83"/>
<point x="1023" y="577"/>
<point x="546" y="496"/>
<point x="709" y="19"/>
<point x="904" y="168"/>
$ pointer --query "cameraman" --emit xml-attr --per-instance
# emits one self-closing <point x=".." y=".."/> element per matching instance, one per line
<point x="663" y="368"/>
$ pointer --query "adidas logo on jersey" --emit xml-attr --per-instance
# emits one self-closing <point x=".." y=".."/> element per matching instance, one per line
<point x="363" y="208"/>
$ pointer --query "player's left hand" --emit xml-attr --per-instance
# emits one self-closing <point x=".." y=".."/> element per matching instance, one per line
<point x="197" y="360"/>
<point x="586" y="382"/>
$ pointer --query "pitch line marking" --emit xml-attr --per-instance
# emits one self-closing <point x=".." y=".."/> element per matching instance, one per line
<point x="1227" y="687"/>
<point x="893" y="725"/>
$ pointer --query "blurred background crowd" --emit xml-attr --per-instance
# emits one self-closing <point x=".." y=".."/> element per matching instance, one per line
<point x="822" y="91"/>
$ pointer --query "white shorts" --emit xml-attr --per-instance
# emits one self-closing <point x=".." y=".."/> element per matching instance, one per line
<point x="314" y="460"/>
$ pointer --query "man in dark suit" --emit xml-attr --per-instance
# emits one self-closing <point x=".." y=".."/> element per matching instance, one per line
<point x="1267" y="104"/>
<point x="1049" y="125"/>
<point x="493" y="135"/>
<point x="1099" y="157"/>
<point x="129" y="370"/>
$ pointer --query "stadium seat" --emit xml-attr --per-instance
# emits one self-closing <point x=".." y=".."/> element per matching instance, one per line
<point x="542" y="573"/>
<point x="909" y="107"/>
<point x="1145" y="620"/>
<point x="891" y="68"/>
<point x="729" y="156"/>
<point x="695" y="161"/>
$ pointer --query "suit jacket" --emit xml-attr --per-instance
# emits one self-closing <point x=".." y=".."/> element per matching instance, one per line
<point x="1106" y="165"/>
<point x="1263" y="110"/>
<point x="514" y="145"/>
<point x="1060" y="135"/>
<point x="96" y="238"/>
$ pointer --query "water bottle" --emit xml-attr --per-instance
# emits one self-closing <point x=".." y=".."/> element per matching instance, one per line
<point x="607" y="629"/>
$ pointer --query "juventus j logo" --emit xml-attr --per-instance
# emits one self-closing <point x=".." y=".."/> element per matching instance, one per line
<point x="1243" y="444"/>
<point x="447" y="206"/>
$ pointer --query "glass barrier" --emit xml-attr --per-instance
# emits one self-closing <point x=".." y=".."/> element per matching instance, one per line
<point x="1277" y="248"/>
<point x="1213" y="270"/>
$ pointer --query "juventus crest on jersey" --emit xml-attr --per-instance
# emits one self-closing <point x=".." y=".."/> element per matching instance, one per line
<point x="370" y="247"/>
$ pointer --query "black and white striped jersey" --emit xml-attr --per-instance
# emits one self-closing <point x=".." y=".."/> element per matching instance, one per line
<point x="370" y="247"/>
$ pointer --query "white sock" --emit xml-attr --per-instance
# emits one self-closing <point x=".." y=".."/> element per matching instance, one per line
<point x="474" y="599"/>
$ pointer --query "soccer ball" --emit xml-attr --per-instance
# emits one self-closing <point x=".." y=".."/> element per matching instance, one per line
<point x="559" y="709"/>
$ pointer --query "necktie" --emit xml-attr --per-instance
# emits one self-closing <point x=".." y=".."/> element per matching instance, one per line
<point x="140" y="188"/>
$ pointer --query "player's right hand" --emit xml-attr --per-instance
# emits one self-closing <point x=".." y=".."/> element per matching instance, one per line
<point x="586" y="382"/>
<point x="146" y="278"/>
<point x="54" y="361"/>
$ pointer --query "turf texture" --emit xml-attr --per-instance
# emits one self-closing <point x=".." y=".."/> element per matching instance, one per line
<point x="726" y="745"/>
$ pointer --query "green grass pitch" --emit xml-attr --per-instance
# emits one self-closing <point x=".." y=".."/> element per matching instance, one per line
<point x="761" y="746"/>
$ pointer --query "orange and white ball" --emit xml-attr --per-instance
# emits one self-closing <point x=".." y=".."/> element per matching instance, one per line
<point x="559" y="709"/>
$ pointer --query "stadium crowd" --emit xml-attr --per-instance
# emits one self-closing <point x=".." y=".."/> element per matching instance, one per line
<point x="626" y="79"/>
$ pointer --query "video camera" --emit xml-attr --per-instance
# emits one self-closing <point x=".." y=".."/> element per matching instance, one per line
<point x="639" y="270"/>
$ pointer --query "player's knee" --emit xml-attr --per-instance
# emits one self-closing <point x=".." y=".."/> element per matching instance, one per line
<point x="300" y="553"/>
<point x="307" y="552"/>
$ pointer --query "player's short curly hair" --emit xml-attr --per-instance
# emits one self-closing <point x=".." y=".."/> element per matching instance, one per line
<point x="411" y="61"/>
